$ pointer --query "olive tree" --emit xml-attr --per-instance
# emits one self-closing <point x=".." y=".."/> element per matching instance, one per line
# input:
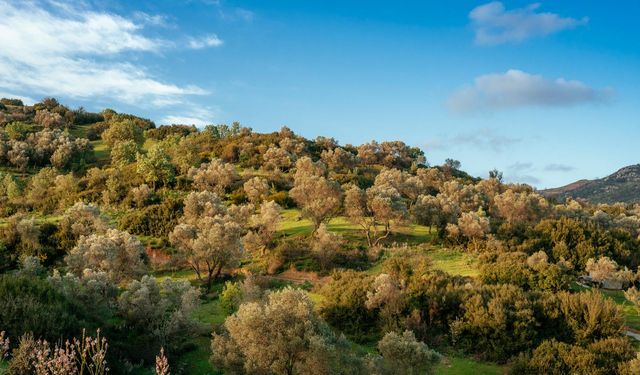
<point x="80" y="220"/>
<point x="160" y="312"/>
<point x="215" y="176"/>
<point x="256" y="189"/>
<point x="376" y="207"/>
<point x="117" y="253"/>
<point x="280" y="335"/>
<point x="318" y="196"/>
<point x="404" y="355"/>
<point x="325" y="245"/>
<point x="208" y="237"/>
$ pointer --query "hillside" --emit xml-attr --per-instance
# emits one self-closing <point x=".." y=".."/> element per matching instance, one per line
<point x="174" y="243"/>
<point x="621" y="186"/>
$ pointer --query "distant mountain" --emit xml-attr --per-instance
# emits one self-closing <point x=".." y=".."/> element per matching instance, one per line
<point x="622" y="186"/>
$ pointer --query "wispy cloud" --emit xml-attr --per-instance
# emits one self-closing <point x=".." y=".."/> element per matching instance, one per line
<point x="556" y="167"/>
<point x="521" y="172"/>
<point x="482" y="139"/>
<point x="205" y="41"/>
<point x="493" y="24"/>
<point x="516" y="88"/>
<point x="153" y="19"/>
<point x="77" y="52"/>
<point x="486" y="139"/>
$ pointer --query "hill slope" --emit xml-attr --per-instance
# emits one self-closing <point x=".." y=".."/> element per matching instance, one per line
<point x="621" y="186"/>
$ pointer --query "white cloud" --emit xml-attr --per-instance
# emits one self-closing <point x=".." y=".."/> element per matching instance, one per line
<point x="516" y="88"/>
<point x="183" y="120"/>
<point x="206" y="41"/>
<point x="493" y="24"/>
<point x="77" y="52"/>
<point x="198" y="116"/>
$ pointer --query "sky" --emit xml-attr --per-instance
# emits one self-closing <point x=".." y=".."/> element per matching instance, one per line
<point x="546" y="92"/>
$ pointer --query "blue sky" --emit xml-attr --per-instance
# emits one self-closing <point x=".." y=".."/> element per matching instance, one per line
<point x="546" y="92"/>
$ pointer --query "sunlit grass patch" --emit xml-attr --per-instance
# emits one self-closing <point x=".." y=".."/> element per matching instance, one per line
<point x="455" y="365"/>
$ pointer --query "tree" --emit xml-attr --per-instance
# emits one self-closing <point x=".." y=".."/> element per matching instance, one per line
<point x="602" y="269"/>
<point x="215" y="176"/>
<point x="124" y="153"/>
<point x="80" y="220"/>
<point x="520" y="207"/>
<point x="495" y="175"/>
<point x="451" y="165"/>
<point x="158" y="314"/>
<point x="404" y="355"/>
<point x="325" y="246"/>
<point x="19" y="154"/>
<point x="388" y="297"/>
<point x="319" y="197"/>
<point x="633" y="295"/>
<point x="49" y="120"/>
<point x="277" y="159"/>
<point x="208" y="238"/>
<point x="155" y="167"/>
<point x="123" y="130"/>
<point x="474" y="226"/>
<point x="263" y="226"/>
<point x="256" y="189"/>
<point x="339" y="159"/>
<point x="373" y="208"/>
<point x="117" y="253"/>
<point x="605" y="269"/>
<point x="281" y="335"/>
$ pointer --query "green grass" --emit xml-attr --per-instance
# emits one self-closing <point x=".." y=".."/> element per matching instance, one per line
<point x="196" y="362"/>
<point x="101" y="152"/>
<point x="210" y="312"/>
<point x="452" y="261"/>
<point x="293" y="224"/>
<point x="455" y="365"/>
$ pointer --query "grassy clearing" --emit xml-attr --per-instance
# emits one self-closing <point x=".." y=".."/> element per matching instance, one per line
<point x="455" y="365"/>
<point x="293" y="224"/>
<point x="452" y="261"/>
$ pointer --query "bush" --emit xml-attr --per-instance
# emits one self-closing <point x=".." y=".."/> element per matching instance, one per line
<point x="156" y="220"/>
<point x="498" y="322"/>
<point x="343" y="306"/>
<point x="33" y="305"/>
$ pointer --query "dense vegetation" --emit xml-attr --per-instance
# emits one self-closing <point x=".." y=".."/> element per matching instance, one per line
<point x="184" y="250"/>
